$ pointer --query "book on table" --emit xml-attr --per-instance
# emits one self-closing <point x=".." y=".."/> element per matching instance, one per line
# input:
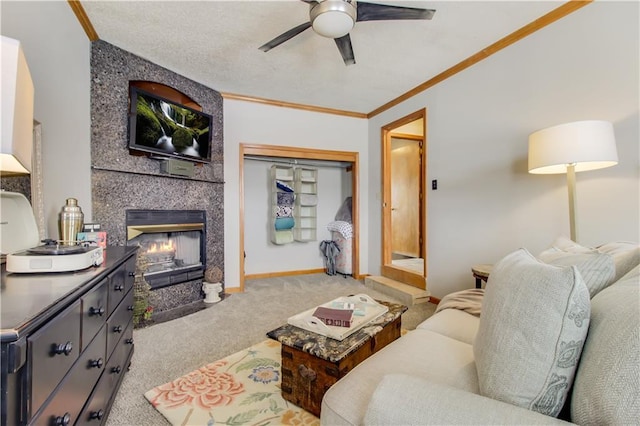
<point x="337" y="317"/>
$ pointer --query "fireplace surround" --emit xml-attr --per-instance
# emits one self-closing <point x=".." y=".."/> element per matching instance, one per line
<point x="121" y="182"/>
<point x="173" y="242"/>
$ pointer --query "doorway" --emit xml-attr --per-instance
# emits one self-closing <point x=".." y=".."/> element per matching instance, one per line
<point x="303" y="154"/>
<point x="404" y="254"/>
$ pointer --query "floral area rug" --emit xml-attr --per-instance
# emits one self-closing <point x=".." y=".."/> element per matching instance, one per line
<point x="241" y="389"/>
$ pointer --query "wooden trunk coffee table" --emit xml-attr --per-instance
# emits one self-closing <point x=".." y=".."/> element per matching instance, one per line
<point x="312" y="363"/>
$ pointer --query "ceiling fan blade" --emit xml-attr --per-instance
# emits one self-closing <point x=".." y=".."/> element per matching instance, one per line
<point x="381" y="12"/>
<point x="284" y="37"/>
<point x="346" y="50"/>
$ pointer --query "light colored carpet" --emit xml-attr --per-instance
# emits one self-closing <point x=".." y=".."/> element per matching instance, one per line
<point x="174" y="348"/>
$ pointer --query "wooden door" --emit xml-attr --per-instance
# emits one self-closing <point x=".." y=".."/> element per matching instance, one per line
<point x="406" y="165"/>
<point x="404" y="202"/>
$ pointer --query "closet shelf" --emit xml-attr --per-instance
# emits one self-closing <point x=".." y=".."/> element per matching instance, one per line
<point x="305" y="184"/>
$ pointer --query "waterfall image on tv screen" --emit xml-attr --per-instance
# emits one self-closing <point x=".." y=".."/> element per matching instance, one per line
<point x="166" y="128"/>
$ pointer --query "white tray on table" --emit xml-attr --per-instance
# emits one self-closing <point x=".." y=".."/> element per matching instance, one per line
<point x="372" y="310"/>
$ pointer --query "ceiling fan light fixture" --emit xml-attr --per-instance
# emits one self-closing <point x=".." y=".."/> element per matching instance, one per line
<point x="333" y="18"/>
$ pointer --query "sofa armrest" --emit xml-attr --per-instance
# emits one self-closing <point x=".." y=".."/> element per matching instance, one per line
<point x="404" y="400"/>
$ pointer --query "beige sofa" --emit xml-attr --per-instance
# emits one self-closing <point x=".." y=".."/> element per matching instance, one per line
<point x="563" y="332"/>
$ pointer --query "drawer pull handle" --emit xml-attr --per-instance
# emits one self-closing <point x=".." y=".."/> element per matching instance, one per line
<point x="96" y="415"/>
<point x="129" y="341"/>
<point x="130" y="308"/>
<point x="63" y="348"/>
<point x="62" y="420"/>
<point x="116" y="370"/>
<point x="97" y="363"/>
<point x="96" y="311"/>
<point x="118" y="287"/>
<point x="117" y="329"/>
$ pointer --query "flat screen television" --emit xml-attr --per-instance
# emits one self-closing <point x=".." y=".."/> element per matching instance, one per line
<point x="164" y="128"/>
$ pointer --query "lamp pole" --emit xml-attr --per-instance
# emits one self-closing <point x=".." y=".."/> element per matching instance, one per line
<point x="571" y="185"/>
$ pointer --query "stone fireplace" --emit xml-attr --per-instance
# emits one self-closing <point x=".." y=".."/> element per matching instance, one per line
<point x="173" y="242"/>
<point x="123" y="185"/>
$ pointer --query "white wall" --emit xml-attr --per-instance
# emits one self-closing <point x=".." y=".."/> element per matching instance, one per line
<point x="57" y="51"/>
<point x="584" y="66"/>
<point x="252" y="123"/>
<point x="262" y="255"/>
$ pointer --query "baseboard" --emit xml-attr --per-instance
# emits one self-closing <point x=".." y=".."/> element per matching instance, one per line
<point x="283" y="274"/>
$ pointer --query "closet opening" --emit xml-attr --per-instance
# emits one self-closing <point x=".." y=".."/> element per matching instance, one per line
<point x="322" y="180"/>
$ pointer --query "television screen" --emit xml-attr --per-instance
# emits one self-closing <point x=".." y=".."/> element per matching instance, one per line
<point x="162" y="127"/>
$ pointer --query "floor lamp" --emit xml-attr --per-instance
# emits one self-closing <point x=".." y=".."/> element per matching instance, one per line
<point x="570" y="148"/>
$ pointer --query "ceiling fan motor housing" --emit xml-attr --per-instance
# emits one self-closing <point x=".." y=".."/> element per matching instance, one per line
<point x="333" y="18"/>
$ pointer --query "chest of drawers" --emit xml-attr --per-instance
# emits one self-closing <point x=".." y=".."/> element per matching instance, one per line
<point x="66" y="342"/>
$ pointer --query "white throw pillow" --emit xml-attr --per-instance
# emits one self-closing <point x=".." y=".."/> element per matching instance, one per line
<point x="565" y="244"/>
<point x="626" y="256"/>
<point x="534" y="322"/>
<point x="597" y="269"/>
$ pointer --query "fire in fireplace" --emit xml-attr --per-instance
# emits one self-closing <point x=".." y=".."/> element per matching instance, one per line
<point x="173" y="242"/>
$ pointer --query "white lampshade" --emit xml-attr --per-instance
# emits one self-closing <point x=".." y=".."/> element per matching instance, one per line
<point x="17" y="110"/>
<point x="333" y="18"/>
<point x="589" y="145"/>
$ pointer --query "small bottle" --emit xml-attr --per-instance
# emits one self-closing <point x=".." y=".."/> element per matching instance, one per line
<point x="70" y="222"/>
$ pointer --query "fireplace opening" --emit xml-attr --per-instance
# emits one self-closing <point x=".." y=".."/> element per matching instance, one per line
<point x="173" y="243"/>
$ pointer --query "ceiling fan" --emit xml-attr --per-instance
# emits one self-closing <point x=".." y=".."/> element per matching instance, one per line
<point x="335" y="18"/>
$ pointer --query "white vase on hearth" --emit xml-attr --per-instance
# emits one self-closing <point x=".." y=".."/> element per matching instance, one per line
<point x="211" y="291"/>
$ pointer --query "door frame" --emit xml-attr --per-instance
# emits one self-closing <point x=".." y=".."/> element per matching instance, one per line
<point x="387" y="269"/>
<point x="305" y="154"/>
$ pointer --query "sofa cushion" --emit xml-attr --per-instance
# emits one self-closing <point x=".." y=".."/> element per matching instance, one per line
<point x="607" y="385"/>
<point x="419" y="353"/>
<point x="453" y="323"/>
<point x="597" y="269"/>
<point x="427" y="402"/>
<point x="534" y="321"/>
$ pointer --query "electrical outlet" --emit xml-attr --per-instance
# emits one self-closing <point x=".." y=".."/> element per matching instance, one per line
<point x="434" y="184"/>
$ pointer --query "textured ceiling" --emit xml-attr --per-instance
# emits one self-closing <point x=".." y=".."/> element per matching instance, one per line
<point x="216" y="43"/>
